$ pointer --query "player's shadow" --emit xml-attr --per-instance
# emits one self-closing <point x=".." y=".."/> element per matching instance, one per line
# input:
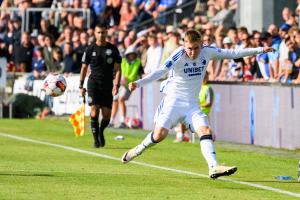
<point x="25" y="174"/>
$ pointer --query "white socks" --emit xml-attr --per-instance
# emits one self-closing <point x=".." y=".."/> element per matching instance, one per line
<point x="122" y="119"/>
<point x="147" y="142"/>
<point x="208" y="150"/>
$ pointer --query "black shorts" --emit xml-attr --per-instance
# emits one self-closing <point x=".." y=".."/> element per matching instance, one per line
<point x="99" y="96"/>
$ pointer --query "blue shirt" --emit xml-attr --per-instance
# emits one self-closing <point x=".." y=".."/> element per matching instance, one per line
<point x="98" y="6"/>
<point x="168" y="3"/>
<point x="38" y="65"/>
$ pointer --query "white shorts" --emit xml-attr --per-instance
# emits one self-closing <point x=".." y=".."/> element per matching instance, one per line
<point x="171" y="112"/>
<point x="123" y="92"/>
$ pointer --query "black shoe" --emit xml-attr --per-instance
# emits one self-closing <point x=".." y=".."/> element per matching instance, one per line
<point x="101" y="139"/>
<point x="96" y="140"/>
<point x="96" y="144"/>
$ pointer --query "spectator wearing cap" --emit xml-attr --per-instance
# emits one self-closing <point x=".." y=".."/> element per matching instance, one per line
<point x="273" y="57"/>
<point x="227" y="43"/>
<point x="283" y="50"/>
<point x="131" y="68"/>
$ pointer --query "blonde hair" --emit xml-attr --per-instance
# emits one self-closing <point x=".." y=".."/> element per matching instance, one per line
<point x="192" y="36"/>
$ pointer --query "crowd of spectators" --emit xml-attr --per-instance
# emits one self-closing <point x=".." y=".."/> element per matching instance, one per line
<point x="49" y="46"/>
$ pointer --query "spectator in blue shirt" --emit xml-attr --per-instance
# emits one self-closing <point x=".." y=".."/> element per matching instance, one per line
<point x="38" y="63"/>
<point x="161" y="10"/>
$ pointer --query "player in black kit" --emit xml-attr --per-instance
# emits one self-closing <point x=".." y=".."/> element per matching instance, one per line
<point x="104" y="60"/>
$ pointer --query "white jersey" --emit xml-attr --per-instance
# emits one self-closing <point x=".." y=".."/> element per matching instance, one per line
<point x="186" y="75"/>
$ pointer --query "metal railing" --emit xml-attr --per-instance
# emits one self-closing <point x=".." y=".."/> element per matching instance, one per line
<point x="174" y="11"/>
<point x="25" y="14"/>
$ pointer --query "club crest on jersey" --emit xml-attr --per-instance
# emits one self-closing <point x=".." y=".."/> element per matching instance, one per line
<point x="168" y="64"/>
<point x="94" y="53"/>
<point x="203" y="61"/>
<point x="108" y="52"/>
<point x="109" y="60"/>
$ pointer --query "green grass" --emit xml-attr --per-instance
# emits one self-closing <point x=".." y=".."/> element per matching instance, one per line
<point x="37" y="171"/>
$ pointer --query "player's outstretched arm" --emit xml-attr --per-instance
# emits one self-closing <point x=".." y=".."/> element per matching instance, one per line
<point x="268" y="49"/>
<point x="132" y="86"/>
<point x="216" y="53"/>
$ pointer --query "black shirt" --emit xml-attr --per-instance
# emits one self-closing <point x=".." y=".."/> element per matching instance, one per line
<point x="101" y="60"/>
<point x="24" y="55"/>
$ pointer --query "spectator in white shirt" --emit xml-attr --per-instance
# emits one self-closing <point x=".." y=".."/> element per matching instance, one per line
<point x="154" y="54"/>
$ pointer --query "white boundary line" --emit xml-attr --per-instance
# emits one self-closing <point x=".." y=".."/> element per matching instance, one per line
<point x="148" y="165"/>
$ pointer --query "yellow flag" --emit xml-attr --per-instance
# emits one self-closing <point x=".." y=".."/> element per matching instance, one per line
<point x="77" y="119"/>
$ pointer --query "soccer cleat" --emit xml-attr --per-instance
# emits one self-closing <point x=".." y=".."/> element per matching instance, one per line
<point x="122" y="125"/>
<point x="221" y="170"/>
<point x="96" y="144"/>
<point x="129" y="155"/>
<point x="110" y="125"/>
<point x="96" y="140"/>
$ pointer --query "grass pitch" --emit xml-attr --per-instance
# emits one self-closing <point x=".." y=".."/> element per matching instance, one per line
<point x="33" y="170"/>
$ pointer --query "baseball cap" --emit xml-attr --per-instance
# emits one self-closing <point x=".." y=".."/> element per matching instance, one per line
<point x="130" y="50"/>
<point x="170" y="29"/>
<point x="227" y="40"/>
<point x="285" y="27"/>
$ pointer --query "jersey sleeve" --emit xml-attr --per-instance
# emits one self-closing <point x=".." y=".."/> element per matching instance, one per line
<point x="86" y="56"/>
<point x="217" y="53"/>
<point x="163" y="69"/>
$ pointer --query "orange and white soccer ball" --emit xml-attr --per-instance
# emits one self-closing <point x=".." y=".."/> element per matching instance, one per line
<point x="55" y="85"/>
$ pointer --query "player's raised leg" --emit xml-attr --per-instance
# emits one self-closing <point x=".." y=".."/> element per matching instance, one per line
<point x="151" y="139"/>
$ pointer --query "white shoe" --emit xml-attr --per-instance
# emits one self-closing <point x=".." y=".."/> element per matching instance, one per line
<point x="221" y="170"/>
<point x="129" y="155"/>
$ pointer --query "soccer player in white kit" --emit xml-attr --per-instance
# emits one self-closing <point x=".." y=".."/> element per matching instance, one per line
<point x="187" y="67"/>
